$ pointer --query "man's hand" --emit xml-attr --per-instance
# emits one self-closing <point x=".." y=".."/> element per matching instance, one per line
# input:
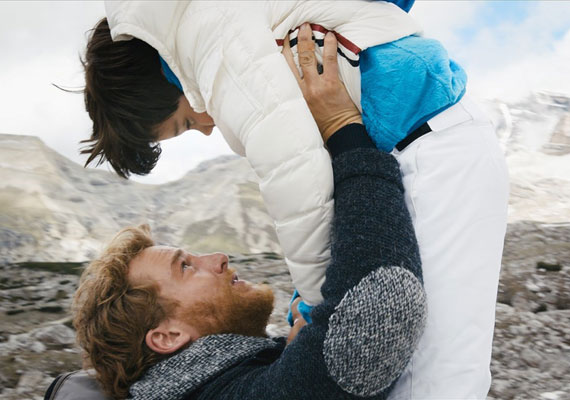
<point x="298" y="320"/>
<point x="325" y="94"/>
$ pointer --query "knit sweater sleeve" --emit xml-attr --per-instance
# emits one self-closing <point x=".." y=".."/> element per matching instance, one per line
<point x="374" y="308"/>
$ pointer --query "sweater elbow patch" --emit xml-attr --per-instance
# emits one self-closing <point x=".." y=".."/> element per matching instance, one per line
<point x="374" y="331"/>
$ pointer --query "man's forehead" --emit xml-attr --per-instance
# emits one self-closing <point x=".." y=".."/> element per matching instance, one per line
<point x="158" y="252"/>
<point x="150" y="258"/>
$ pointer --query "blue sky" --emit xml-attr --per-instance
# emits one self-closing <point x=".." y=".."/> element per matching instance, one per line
<point x="497" y="15"/>
<point x="493" y="14"/>
<point x="509" y="49"/>
<point x="498" y="12"/>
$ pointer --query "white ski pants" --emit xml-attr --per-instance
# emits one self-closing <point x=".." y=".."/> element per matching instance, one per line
<point x="456" y="184"/>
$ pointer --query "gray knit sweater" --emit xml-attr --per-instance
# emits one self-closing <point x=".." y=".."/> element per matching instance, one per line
<point x="362" y="335"/>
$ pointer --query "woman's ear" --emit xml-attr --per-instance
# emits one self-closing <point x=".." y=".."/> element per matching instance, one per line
<point x="169" y="336"/>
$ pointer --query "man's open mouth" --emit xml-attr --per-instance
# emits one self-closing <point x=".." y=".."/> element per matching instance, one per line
<point x="235" y="279"/>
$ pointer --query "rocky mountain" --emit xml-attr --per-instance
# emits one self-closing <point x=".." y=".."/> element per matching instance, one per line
<point x="535" y="134"/>
<point x="52" y="209"/>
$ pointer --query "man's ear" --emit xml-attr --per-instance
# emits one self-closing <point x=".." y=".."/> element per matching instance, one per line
<point x="169" y="336"/>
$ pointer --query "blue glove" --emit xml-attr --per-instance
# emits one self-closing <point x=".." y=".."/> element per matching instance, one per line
<point x="303" y="308"/>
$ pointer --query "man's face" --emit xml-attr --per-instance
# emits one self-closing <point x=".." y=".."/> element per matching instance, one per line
<point x="211" y="299"/>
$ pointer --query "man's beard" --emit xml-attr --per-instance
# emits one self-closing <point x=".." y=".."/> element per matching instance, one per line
<point x="243" y="312"/>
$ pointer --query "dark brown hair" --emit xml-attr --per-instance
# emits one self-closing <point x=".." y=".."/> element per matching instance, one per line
<point x="112" y="315"/>
<point x="127" y="97"/>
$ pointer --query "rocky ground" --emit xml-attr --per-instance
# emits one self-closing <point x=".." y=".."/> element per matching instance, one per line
<point x="36" y="337"/>
<point x="531" y="352"/>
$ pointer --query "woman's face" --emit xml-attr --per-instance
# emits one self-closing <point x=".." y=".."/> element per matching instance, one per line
<point x="184" y="119"/>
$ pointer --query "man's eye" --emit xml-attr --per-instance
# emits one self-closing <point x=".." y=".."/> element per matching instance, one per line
<point x="185" y="266"/>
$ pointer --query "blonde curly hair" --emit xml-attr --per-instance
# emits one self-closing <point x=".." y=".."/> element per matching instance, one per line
<point x="112" y="315"/>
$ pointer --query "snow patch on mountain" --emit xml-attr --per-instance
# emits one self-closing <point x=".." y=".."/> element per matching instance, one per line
<point x="535" y="135"/>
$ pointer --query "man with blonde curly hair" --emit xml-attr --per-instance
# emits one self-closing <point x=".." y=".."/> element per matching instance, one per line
<point x="123" y="296"/>
<point x="108" y="305"/>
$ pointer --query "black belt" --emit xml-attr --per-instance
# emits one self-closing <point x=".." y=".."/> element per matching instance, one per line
<point x="419" y="132"/>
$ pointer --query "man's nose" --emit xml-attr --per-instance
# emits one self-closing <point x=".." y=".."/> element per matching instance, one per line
<point x="216" y="262"/>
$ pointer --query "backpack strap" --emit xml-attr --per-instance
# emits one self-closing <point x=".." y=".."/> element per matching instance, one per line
<point x="75" y="385"/>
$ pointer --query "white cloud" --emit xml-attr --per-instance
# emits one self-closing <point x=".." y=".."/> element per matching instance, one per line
<point x="512" y="59"/>
<point x="40" y="44"/>
<point x="441" y="19"/>
<point x="506" y="59"/>
<point x="546" y="70"/>
<point x="183" y="153"/>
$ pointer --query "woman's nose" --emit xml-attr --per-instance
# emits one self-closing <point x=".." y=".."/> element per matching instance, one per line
<point x="206" y="129"/>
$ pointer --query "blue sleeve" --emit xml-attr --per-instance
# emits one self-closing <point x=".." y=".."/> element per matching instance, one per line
<point x="405" y="5"/>
<point x="405" y="83"/>
<point x="304" y="309"/>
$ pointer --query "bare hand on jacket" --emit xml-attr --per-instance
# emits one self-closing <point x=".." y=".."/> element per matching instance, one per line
<point x="325" y="94"/>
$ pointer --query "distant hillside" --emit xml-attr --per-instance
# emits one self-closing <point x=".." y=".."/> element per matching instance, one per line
<point x="52" y="209"/>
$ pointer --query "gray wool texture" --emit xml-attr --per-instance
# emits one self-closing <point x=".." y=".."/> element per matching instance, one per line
<point x="362" y="335"/>
<point x="179" y="375"/>
<point x="369" y="336"/>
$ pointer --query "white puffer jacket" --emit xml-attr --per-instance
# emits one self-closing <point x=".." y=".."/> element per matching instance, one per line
<point x="227" y="60"/>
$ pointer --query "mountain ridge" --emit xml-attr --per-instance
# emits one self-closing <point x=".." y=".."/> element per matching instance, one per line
<point x="53" y="209"/>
